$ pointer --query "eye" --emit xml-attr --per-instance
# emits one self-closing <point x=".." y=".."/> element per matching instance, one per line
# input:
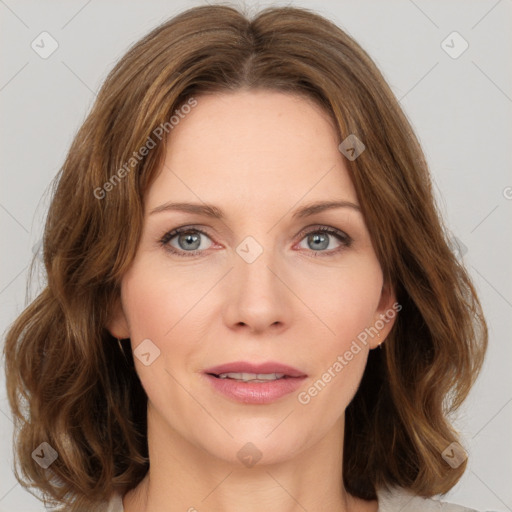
<point x="188" y="241"/>
<point x="319" y="239"/>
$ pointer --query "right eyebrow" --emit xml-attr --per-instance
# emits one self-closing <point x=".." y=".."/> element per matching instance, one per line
<point x="208" y="210"/>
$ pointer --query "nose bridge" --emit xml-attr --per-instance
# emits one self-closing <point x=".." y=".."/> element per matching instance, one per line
<point x="253" y="263"/>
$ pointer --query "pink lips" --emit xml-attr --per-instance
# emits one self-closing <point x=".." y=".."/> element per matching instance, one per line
<point x="255" y="392"/>
<point x="245" y="367"/>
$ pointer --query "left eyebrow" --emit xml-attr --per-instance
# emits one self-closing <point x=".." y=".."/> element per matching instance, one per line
<point x="210" y="210"/>
<point x="321" y="206"/>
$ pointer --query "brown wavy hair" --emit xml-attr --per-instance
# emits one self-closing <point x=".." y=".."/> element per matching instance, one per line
<point x="68" y="381"/>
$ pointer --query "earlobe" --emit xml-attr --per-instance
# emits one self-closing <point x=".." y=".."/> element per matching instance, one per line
<point x="385" y="315"/>
<point x="117" y="323"/>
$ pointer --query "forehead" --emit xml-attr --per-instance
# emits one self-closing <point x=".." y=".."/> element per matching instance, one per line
<point x="253" y="147"/>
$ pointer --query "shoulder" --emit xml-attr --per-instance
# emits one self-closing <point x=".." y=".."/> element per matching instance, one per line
<point x="115" y="504"/>
<point x="392" y="500"/>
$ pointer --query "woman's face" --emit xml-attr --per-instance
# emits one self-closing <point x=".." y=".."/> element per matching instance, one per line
<point x="261" y="284"/>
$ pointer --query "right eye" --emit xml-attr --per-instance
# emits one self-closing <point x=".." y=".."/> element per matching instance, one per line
<point x="187" y="241"/>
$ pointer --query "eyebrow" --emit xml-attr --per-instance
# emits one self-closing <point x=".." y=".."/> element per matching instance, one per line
<point x="210" y="210"/>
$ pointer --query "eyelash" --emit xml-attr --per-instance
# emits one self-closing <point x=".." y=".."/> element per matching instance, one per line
<point x="345" y="240"/>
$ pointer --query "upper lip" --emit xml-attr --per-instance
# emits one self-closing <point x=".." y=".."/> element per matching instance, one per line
<point x="246" y="367"/>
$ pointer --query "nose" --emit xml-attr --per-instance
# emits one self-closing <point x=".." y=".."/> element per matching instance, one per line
<point x="257" y="298"/>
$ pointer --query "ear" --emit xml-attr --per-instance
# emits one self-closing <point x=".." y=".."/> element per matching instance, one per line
<point x="385" y="315"/>
<point x="117" y="323"/>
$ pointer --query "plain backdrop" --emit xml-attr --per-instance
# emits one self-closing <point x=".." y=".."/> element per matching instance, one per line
<point x="459" y="103"/>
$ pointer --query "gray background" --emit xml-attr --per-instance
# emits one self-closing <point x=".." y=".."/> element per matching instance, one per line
<point x="460" y="108"/>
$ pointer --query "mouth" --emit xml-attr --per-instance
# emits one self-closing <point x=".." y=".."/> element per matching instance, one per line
<point x="244" y="370"/>
<point x="252" y="377"/>
<point x="255" y="384"/>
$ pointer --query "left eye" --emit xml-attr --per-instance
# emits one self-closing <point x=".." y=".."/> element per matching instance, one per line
<point x="319" y="240"/>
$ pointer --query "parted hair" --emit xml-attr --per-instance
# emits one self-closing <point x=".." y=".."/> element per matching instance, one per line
<point x="71" y="384"/>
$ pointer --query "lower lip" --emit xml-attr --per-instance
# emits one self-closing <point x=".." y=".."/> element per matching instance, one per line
<point x="255" y="392"/>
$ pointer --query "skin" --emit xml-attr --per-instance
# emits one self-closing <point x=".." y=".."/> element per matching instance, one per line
<point x="259" y="156"/>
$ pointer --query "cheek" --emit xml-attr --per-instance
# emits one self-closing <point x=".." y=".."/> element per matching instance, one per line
<point x="341" y="355"/>
<point x="171" y="307"/>
<point x="348" y="302"/>
<point x="348" y="308"/>
<point x="158" y="306"/>
<point x="158" y="300"/>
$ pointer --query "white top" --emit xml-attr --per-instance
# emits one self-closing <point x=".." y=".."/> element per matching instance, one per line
<point x="397" y="500"/>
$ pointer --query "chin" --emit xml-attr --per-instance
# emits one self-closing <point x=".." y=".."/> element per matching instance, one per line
<point x="253" y="446"/>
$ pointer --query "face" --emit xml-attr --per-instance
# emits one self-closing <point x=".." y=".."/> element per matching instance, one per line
<point x="262" y="283"/>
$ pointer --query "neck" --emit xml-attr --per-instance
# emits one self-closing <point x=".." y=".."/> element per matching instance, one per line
<point x="183" y="476"/>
